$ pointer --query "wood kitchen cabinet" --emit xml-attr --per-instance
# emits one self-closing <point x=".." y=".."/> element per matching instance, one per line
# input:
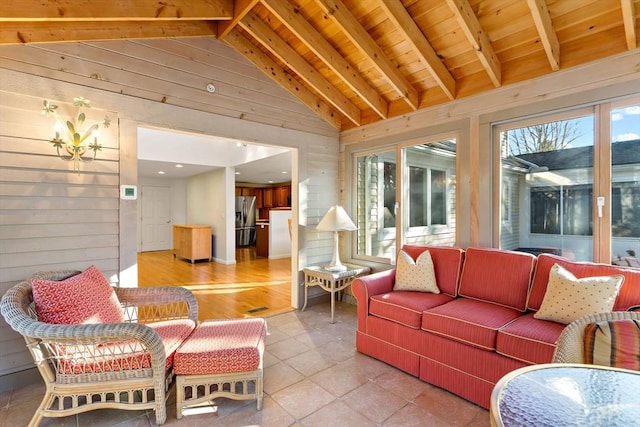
<point x="192" y="242"/>
<point x="282" y="196"/>
<point x="267" y="197"/>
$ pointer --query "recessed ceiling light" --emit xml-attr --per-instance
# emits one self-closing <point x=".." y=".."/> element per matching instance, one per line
<point x="270" y="182"/>
<point x="237" y="173"/>
<point x="210" y="87"/>
<point x="179" y="166"/>
<point x="160" y="172"/>
<point x="284" y="171"/>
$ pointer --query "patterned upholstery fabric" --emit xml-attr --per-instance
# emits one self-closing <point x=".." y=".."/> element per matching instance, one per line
<point x="124" y="355"/>
<point x="86" y="298"/>
<point x="417" y="275"/>
<point x="405" y="307"/>
<point x="568" y="298"/>
<point x="613" y="343"/>
<point x="222" y="346"/>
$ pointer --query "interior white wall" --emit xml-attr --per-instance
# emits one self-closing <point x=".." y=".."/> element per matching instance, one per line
<point x="206" y="205"/>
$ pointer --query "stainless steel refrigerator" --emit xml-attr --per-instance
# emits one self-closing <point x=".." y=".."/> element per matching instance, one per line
<point x="245" y="221"/>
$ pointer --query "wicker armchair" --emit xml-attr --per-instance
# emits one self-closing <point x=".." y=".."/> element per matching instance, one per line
<point x="570" y="346"/>
<point x="94" y="366"/>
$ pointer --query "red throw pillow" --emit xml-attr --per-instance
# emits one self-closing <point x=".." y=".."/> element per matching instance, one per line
<point x="85" y="298"/>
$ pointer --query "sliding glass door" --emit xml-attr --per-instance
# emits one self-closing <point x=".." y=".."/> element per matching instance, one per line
<point x="569" y="183"/>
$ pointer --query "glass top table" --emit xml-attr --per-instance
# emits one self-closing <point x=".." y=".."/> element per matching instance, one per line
<point x="559" y="394"/>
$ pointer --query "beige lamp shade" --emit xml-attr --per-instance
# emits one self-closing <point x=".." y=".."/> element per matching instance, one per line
<point x="336" y="220"/>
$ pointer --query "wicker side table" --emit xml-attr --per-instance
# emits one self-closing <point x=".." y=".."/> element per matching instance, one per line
<point x="331" y="281"/>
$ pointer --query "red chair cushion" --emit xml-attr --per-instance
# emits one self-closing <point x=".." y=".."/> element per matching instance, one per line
<point x="222" y="347"/>
<point x="405" y="307"/>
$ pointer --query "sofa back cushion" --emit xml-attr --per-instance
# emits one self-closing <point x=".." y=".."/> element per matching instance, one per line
<point x="447" y="264"/>
<point x="628" y="295"/>
<point x="497" y="276"/>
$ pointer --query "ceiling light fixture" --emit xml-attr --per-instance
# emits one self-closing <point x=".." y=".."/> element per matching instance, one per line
<point x="179" y="166"/>
<point x="211" y="88"/>
<point x="160" y="172"/>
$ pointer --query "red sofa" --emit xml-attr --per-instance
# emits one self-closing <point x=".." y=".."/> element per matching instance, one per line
<point x="480" y="326"/>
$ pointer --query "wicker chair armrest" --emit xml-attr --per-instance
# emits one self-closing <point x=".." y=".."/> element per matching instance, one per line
<point x="570" y="345"/>
<point x="179" y="302"/>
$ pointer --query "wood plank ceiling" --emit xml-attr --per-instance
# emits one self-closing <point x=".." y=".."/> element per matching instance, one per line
<point x="355" y="62"/>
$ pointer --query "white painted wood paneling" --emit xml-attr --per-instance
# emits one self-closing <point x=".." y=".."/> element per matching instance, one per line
<point x="43" y="191"/>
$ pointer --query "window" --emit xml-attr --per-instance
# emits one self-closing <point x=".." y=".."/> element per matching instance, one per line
<point x="425" y="213"/>
<point x="562" y="210"/>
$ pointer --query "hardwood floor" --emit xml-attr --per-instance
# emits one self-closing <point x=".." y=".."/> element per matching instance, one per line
<point x="252" y="287"/>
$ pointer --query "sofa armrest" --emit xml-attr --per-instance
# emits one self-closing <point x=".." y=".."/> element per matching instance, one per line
<point x="365" y="287"/>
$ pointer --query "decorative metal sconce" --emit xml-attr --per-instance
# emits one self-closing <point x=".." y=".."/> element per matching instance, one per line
<point x="71" y="141"/>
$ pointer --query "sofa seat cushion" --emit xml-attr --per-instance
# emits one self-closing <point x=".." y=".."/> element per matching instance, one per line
<point x="470" y="321"/>
<point x="529" y="339"/>
<point x="405" y="307"/>
<point x="123" y="355"/>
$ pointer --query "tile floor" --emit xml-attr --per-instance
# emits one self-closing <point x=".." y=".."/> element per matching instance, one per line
<point x="313" y="377"/>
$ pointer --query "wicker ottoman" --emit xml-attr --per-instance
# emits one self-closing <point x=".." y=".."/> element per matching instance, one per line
<point x="221" y="358"/>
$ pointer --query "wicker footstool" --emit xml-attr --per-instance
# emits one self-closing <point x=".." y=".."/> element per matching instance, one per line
<point x="221" y="358"/>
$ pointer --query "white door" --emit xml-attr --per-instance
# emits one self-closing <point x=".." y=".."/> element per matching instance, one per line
<point x="156" y="218"/>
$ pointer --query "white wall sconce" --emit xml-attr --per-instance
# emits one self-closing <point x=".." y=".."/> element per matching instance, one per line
<point x="73" y="138"/>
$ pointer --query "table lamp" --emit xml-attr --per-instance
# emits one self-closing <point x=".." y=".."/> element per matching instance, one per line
<point x="336" y="219"/>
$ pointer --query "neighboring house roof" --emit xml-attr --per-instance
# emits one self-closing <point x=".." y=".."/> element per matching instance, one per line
<point x="622" y="153"/>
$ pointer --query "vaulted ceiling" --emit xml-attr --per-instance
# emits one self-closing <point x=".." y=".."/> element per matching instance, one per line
<point x="355" y="62"/>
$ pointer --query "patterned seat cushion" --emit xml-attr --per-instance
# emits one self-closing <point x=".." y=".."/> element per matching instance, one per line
<point x="222" y="347"/>
<point x="124" y="355"/>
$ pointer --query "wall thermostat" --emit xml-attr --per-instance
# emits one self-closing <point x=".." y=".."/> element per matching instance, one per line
<point x="128" y="192"/>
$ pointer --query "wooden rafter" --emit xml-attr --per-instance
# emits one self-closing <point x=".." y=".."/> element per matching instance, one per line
<point x="405" y="24"/>
<point x="51" y="32"/>
<point x="285" y="53"/>
<point x="478" y="38"/>
<point x="138" y="10"/>
<point x="629" y="19"/>
<point x="241" y="44"/>
<point x="340" y="15"/>
<point x="323" y="50"/>
<point x="240" y="10"/>
<point x="548" y="36"/>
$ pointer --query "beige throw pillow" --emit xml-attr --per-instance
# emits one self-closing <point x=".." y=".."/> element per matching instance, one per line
<point x="568" y="298"/>
<point x="416" y="275"/>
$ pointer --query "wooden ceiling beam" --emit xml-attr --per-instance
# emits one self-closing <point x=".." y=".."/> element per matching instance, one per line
<point x="303" y="30"/>
<point x="340" y="15"/>
<point x="478" y="38"/>
<point x="241" y="44"/>
<point x="629" y="19"/>
<point x="405" y="24"/>
<point x="548" y="36"/>
<point x="52" y="32"/>
<point x="240" y="10"/>
<point x="305" y="71"/>
<point x="115" y="10"/>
